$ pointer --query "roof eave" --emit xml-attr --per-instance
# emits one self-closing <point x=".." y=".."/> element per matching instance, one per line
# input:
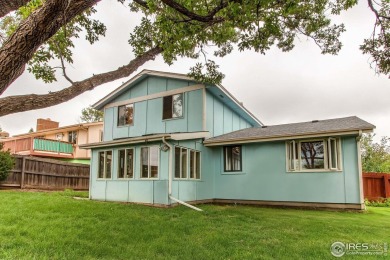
<point x="284" y="137"/>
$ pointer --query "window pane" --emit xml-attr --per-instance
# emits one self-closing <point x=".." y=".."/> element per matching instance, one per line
<point x="333" y="153"/>
<point x="312" y="155"/>
<point x="177" y="162"/>
<point x="167" y="107"/>
<point x="101" y="165"/>
<point x="130" y="163"/>
<point x="72" y="137"/>
<point x="153" y="162"/>
<point x="197" y="165"/>
<point x="192" y="164"/>
<point x="144" y="162"/>
<point x="177" y="109"/>
<point x="108" y="163"/>
<point x="121" y="162"/>
<point x="121" y="115"/>
<point x="236" y="158"/>
<point x="125" y="115"/>
<point x="233" y="158"/>
<point x="184" y="163"/>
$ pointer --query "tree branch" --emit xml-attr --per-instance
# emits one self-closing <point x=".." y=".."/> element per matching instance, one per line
<point x="20" y="103"/>
<point x="43" y="23"/>
<point x="7" y="6"/>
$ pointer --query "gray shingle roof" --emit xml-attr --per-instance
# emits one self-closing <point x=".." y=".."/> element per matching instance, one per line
<point x="336" y="125"/>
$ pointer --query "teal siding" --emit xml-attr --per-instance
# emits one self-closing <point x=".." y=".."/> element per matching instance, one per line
<point x="220" y="118"/>
<point x="108" y="124"/>
<point x="194" y="110"/>
<point x="154" y="122"/>
<point x="264" y="177"/>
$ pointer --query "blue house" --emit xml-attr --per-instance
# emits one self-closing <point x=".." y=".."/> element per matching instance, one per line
<point x="169" y="139"/>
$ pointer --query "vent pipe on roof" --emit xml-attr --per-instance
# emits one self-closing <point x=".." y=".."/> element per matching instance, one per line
<point x="315" y="121"/>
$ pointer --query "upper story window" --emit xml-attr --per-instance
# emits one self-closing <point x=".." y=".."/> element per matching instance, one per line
<point x="314" y="155"/>
<point x="232" y="158"/>
<point x="126" y="115"/>
<point x="72" y="137"/>
<point x="173" y="106"/>
<point x="105" y="164"/>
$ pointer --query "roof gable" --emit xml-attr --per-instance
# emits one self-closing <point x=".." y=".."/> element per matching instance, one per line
<point x="217" y="90"/>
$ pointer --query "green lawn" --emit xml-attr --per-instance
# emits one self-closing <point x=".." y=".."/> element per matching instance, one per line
<point x="56" y="226"/>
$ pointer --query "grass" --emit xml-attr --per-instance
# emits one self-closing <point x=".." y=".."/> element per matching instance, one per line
<point x="41" y="225"/>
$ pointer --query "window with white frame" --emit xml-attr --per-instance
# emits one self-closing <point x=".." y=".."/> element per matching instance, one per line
<point x="125" y="163"/>
<point x="173" y="106"/>
<point x="72" y="137"/>
<point x="105" y="164"/>
<point x="187" y="163"/>
<point x="314" y="155"/>
<point x="194" y="164"/>
<point x="126" y="115"/>
<point x="149" y="162"/>
<point x="232" y="158"/>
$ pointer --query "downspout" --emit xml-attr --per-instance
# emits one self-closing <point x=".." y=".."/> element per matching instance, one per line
<point x="170" y="177"/>
<point x="359" y="157"/>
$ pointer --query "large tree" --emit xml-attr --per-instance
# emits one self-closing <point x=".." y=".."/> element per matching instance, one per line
<point x="40" y="33"/>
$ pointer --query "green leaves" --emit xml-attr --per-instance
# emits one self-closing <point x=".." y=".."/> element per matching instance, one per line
<point x="89" y="114"/>
<point x="375" y="156"/>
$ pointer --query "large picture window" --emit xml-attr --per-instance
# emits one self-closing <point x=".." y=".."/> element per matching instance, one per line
<point x="126" y="115"/>
<point x="313" y="155"/>
<point x="232" y="158"/>
<point x="105" y="164"/>
<point x="125" y="163"/>
<point x="149" y="162"/>
<point x="173" y="106"/>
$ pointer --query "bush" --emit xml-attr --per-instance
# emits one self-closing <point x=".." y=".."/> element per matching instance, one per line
<point x="6" y="163"/>
<point x="382" y="203"/>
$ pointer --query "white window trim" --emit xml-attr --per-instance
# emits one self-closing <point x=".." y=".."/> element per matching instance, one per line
<point x="326" y="141"/>
<point x="183" y="106"/>
<point x="105" y="164"/>
<point x="125" y="166"/>
<point x="188" y="164"/>
<point x="158" y="163"/>
<point x="117" y="115"/>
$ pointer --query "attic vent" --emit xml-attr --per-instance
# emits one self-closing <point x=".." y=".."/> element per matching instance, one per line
<point x="314" y="121"/>
<point x="220" y="96"/>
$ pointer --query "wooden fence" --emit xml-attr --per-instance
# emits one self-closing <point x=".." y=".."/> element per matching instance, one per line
<point x="39" y="173"/>
<point x="376" y="186"/>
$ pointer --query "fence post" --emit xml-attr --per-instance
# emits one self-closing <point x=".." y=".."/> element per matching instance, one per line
<point x="387" y="185"/>
<point x="22" y="172"/>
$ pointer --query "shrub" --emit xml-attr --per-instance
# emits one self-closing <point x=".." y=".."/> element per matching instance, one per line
<point x="6" y="163"/>
<point x="382" y="203"/>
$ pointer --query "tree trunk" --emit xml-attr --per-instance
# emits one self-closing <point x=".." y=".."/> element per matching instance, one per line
<point x="7" y="6"/>
<point x="15" y="104"/>
<point x="33" y="32"/>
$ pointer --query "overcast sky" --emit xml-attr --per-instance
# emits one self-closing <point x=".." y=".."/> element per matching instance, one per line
<point x="278" y="87"/>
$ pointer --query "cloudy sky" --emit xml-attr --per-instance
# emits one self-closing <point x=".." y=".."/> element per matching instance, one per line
<point x="278" y="87"/>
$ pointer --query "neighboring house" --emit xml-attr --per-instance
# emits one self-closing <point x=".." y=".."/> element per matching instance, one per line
<point x="52" y="141"/>
<point x="169" y="139"/>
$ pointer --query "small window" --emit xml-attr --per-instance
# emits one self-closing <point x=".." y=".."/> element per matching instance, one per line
<point x="126" y="115"/>
<point x="173" y="106"/>
<point x="312" y="155"/>
<point x="187" y="160"/>
<point x="126" y="163"/>
<point x="72" y="137"/>
<point x="105" y="159"/>
<point x="232" y="158"/>
<point x="149" y="162"/>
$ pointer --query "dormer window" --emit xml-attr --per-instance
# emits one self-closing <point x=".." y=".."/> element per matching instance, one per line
<point x="173" y="106"/>
<point x="126" y="115"/>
